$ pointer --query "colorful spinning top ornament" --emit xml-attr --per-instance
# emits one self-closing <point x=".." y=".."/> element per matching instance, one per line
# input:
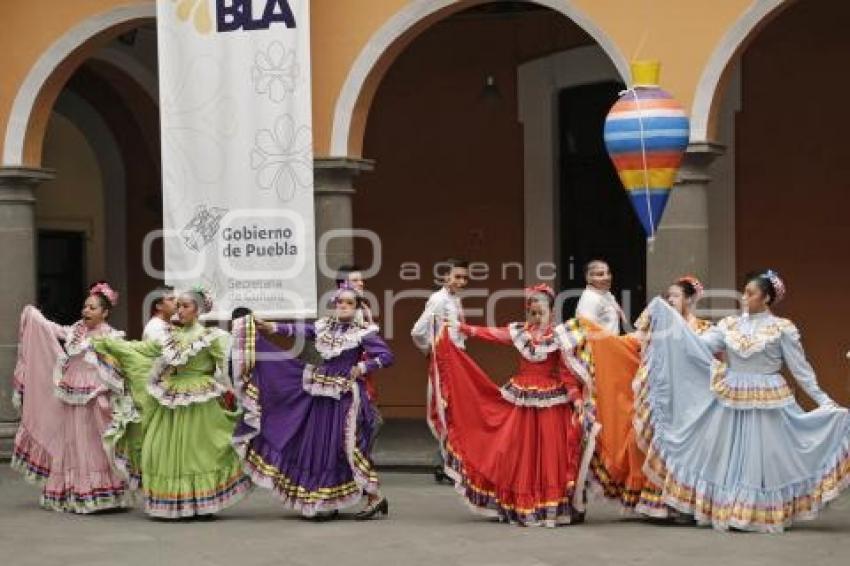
<point x="646" y="134"/>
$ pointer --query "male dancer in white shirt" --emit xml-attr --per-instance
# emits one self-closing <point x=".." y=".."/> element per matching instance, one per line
<point x="597" y="303"/>
<point x="443" y="305"/>
<point x="164" y="307"/>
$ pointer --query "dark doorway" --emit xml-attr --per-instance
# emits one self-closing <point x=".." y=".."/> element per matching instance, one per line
<point x="61" y="274"/>
<point x="596" y="217"/>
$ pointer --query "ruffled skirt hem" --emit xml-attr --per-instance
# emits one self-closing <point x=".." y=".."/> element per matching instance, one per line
<point x="293" y="494"/>
<point x="169" y="498"/>
<point x="483" y="500"/>
<point x="688" y="490"/>
<point x="93" y="492"/>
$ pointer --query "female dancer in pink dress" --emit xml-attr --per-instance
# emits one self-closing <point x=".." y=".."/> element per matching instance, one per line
<point x="68" y="402"/>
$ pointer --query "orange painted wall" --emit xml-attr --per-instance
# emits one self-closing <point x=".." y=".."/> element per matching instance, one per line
<point x="449" y="175"/>
<point x="29" y="28"/>
<point x="339" y="30"/>
<point x="681" y="34"/>
<point x="793" y="171"/>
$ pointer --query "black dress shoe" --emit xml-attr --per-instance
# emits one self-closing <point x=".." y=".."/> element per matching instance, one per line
<point x="378" y="508"/>
<point x="323" y="516"/>
<point x="440" y="475"/>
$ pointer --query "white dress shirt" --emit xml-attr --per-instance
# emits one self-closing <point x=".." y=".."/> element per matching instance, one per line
<point x="156" y="329"/>
<point x="600" y="307"/>
<point x="441" y="305"/>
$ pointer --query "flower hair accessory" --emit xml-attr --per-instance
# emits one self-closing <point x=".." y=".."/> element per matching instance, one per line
<point x="777" y="282"/>
<point x="344" y="287"/>
<point x="693" y="282"/>
<point x="103" y="288"/>
<point x="205" y="304"/>
<point x="541" y="289"/>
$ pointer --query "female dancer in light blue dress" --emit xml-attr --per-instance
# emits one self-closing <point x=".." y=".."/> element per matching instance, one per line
<point x="726" y="442"/>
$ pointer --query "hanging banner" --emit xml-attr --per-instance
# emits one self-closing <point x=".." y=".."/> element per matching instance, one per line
<point x="237" y="152"/>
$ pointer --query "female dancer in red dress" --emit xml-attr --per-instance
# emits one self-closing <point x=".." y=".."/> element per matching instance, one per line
<point x="514" y="452"/>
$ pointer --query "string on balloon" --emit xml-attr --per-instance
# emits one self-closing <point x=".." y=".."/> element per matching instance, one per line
<point x="651" y="239"/>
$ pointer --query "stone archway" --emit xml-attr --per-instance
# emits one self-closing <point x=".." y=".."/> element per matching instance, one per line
<point x="716" y="72"/>
<point x="21" y="172"/>
<point x="384" y="46"/>
<point x="37" y="94"/>
<point x="791" y="171"/>
<point x="434" y="132"/>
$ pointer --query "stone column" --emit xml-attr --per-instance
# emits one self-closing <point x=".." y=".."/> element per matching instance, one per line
<point x="17" y="278"/>
<point x="681" y="244"/>
<point x="334" y="188"/>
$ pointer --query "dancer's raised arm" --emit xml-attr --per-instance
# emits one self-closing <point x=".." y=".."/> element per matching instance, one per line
<point x="496" y="334"/>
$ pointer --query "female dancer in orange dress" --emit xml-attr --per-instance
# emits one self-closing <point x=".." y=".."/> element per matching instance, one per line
<point x="611" y="363"/>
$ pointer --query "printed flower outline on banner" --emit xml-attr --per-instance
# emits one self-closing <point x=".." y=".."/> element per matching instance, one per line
<point x="195" y="124"/>
<point x="198" y="11"/>
<point x="283" y="158"/>
<point x="275" y="72"/>
<point x="203" y="226"/>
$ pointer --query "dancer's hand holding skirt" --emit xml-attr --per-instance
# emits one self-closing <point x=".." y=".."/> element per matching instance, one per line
<point x="181" y="449"/>
<point x="514" y="452"/>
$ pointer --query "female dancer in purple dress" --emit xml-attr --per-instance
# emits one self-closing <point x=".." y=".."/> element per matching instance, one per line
<point x="306" y="428"/>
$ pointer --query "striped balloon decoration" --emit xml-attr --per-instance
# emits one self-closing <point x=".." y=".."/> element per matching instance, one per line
<point x="646" y="135"/>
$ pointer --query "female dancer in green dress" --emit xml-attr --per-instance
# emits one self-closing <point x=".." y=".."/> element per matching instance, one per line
<point x="181" y="449"/>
